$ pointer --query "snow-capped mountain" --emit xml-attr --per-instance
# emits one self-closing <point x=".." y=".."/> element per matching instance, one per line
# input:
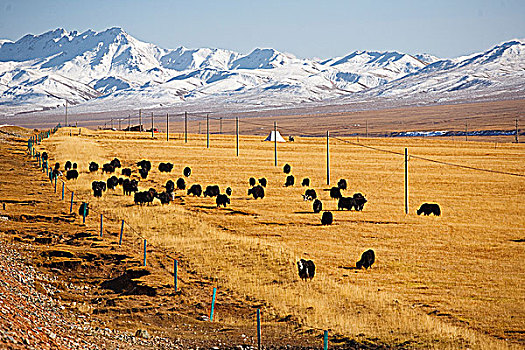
<point x="111" y="70"/>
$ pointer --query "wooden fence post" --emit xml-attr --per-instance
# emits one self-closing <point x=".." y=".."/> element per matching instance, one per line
<point x="145" y="245"/>
<point x="121" y="233"/>
<point x="71" y="206"/>
<point x="175" y="268"/>
<point x="212" y="304"/>
<point x="258" y="329"/>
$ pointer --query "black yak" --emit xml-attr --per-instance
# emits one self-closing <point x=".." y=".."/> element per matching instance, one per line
<point x="263" y="182"/>
<point x="212" y="191"/>
<point x="143" y="173"/>
<point x="115" y="162"/>
<point x="195" y="190"/>
<point x="98" y="187"/>
<point x="112" y="182"/>
<point x="144" y="164"/>
<point x="309" y="195"/>
<point x="129" y="186"/>
<point x="356" y="202"/>
<point x="108" y="168"/>
<point x="170" y="186"/>
<point x="335" y="193"/>
<point x="181" y="184"/>
<point x="164" y="197"/>
<point x="287" y="168"/>
<point x="71" y="174"/>
<point x="317" y="206"/>
<point x="290" y="180"/>
<point x="222" y="199"/>
<point x="327" y="218"/>
<point x="367" y="259"/>
<point x="252" y="181"/>
<point x="306" y="269"/>
<point x="126" y="172"/>
<point x="256" y="192"/>
<point x="92" y="167"/>
<point x="165" y="167"/>
<point x="68" y="166"/>
<point x="429" y="208"/>
<point x="305" y="182"/>
<point x="342" y="184"/>
<point x="229" y="191"/>
<point x="187" y="171"/>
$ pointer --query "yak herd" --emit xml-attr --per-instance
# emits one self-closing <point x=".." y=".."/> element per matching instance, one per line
<point x="306" y="268"/>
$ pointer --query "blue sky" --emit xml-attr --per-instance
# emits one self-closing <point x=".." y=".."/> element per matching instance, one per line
<point x="305" y="28"/>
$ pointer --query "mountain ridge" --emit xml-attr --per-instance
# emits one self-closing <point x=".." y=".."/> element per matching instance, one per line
<point x="43" y="71"/>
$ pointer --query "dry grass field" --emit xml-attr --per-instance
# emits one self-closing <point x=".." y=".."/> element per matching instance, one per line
<point x="455" y="281"/>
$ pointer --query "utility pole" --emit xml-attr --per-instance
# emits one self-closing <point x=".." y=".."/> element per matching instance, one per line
<point x="185" y="127"/>
<point x="220" y="127"/>
<point x="275" y="142"/>
<point x="207" y="131"/>
<point x="129" y="122"/>
<point x="66" y="113"/>
<point x="466" y="131"/>
<point x="327" y="157"/>
<point x="152" y="136"/>
<point x="140" y="120"/>
<point x="119" y="120"/>
<point x="167" y="127"/>
<point x="517" y="131"/>
<point x="406" y="180"/>
<point x="111" y="123"/>
<point x="237" y="133"/>
<point x="366" y="128"/>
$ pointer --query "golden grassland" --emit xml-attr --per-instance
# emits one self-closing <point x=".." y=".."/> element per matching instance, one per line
<point x="454" y="281"/>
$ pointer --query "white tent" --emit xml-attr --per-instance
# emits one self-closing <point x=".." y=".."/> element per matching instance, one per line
<point x="271" y="137"/>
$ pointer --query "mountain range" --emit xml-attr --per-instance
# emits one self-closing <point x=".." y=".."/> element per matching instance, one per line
<point x="111" y="70"/>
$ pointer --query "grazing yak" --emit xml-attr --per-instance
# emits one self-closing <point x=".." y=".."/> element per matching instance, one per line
<point x="165" y="167"/>
<point x="195" y="190"/>
<point x="181" y="184"/>
<point x="263" y="182"/>
<point x="67" y="166"/>
<point x="356" y="202"/>
<point x="129" y="186"/>
<point x="229" y="191"/>
<point x="342" y="184"/>
<point x="72" y="174"/>
<point x="74" y="166"/>
<point x="367" y="259"/>
<point x="145" y="196"/>
<point x="212" y="191"/>
<point x="309" y="195"/>
<point x="144" y="164"/>
<point x="287" y="168"/>
<point x="92" y="167"/>
<point x="108" y="168"/>
<point x="290" y="180"/>
<point x="252" y="181"/>
<point x="143" y="173"/>
<point x="306" y="269"/>
<point x="170" y="186"/>
<point x="222" y="199"/>
<point x="83" y="207"/>
<point x="164" y="197"/>
<point x="187" y="171"/>
<point x="327" y="218"/>
<point x="429" y="208"/>
<point x="112" y="182"/>
<point x="317" y="206"/>
<point x="126" y="172"/>
<point x="98" y="187"/>
<point x="335" y="193"/>
<point x="44" y="156"/>
<point x="305" y="182"/>
<point x="256" y="192"/>
<point x="115" y="162"/>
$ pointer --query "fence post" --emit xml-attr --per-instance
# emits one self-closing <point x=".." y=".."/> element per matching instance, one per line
<point x="258" y="329"/>
<point x="212" y="304"/>
<point x="275" y="143"/>
<point x="140" y="120"/>
<point x="175" y="268"/>
<point x="145" y="245"/>
<point x="63" y="190"/>
<point x="84" y="213"/>
<point x="167" y="127"/>
<point x="406" y="180"/>
<point x="152" y="135"/>
<point x="517" y="132"/>
<point x="101" y="224"/>
<point x="207" y="131"/>
<point x="327" y="157"/>
<point x="71" y="206"/>
<point x="55" y="183"/>
<point x="237" y="133"/>
<point x="121" y="232"/>
<point x="185" y="127"/>
<point x="325" y="340"/>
